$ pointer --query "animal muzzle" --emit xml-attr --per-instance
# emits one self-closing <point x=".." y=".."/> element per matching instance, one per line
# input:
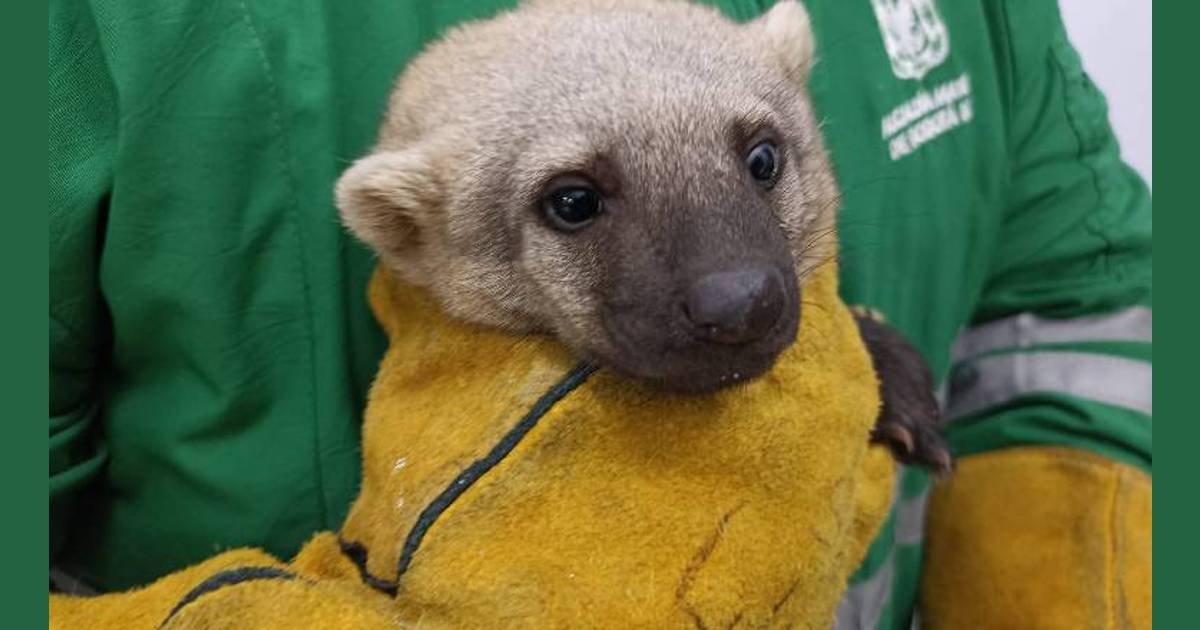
<point x="736" y="306"/>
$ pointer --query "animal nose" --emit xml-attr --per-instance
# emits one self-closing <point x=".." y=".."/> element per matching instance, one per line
<point x="736" y="306"/>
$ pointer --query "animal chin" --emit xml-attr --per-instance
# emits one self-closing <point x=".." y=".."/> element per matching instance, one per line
<point x="696" y="366"/>
<point x="706" y="379"/>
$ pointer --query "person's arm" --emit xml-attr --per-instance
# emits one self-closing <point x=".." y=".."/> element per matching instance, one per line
<point x="82" y="131"/>
<point x="1047" y="519"/>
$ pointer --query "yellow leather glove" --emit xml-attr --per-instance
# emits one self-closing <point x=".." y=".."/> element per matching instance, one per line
<point x="243" y="588"/>
<point x="506" y="486"/>
<point x="1039" y="537"/>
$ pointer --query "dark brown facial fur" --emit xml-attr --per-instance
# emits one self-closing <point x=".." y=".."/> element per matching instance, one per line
<point x="696" y="284"/>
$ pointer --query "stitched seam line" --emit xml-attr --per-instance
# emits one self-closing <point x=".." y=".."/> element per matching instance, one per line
<point x="1120" y="611"/>
<point x="357" y="554"/>
<point x="480" y="467"/>
<point x="226" y="578"/>
<point x="1068" y="98"/>
<point x="293" y="203"/>
<point x="1110" y="560"/>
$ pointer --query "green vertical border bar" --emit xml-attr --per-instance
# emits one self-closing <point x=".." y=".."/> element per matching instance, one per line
<point x="1177" y="310"/>
<point x="24" y="369"/>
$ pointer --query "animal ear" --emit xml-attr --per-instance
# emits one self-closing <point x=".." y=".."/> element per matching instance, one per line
<point x="386" y="199"/>
<point x="788" y="31"/>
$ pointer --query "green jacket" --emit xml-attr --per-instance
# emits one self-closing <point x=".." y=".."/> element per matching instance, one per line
<point x="210" y="343"/>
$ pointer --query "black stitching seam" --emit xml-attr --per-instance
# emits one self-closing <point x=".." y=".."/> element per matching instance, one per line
<point x="229" y="577"/>
<point x="481" y="466"/>
<point x="357" y="553"/>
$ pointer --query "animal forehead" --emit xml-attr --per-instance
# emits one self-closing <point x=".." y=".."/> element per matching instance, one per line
<point x="696" y="117"/>
<point x="663" y="138"/>
<point x="630" y="30"/>
<point x="624" y="42"/>
<point x="645" y="104"/>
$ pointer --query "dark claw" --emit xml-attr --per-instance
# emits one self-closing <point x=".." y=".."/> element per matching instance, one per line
<point x="915" y="444"/>
<point x="896" y="437"/>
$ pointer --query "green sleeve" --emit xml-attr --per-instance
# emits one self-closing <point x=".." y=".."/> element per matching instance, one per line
<point x="1059" y="349"/>
<point x="82" y="131"/>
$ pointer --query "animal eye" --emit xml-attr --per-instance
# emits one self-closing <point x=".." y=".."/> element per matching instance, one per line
<point x="572" y="207"/>
<point x="763" y="163"/>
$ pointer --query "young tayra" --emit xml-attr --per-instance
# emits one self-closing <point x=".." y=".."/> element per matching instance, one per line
<point x="644" y="180"/>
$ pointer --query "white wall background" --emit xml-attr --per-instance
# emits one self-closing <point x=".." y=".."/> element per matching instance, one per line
<point x="1113" y="37"/>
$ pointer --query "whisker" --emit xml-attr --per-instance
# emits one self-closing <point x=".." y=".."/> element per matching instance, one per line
<point x="815" y="238"/>
<point x="814" y="268"/>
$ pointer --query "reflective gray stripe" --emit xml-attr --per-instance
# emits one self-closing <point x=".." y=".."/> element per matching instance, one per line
<point x="862" y="604"/>
<point x="910" y="519"/>
<point x="942" y="394"/>
<point x="1027" y="329"/>
<point x="998" y="379"/>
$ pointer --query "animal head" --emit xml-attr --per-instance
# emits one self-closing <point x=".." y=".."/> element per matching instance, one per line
<point x="644" y="180"/>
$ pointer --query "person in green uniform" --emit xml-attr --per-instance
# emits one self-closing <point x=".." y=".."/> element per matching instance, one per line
<point x="210" y="341"/>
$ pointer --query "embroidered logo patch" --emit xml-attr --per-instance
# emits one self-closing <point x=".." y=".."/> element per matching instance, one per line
<point x="914" y="35"/>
